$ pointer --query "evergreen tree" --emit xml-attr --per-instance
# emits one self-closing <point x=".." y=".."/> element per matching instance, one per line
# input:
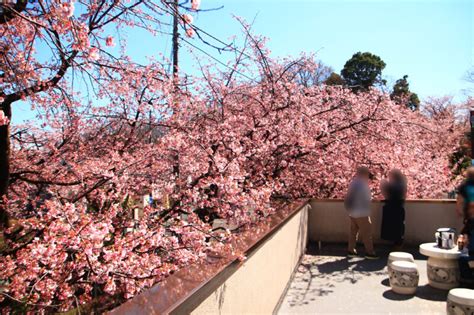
<point x="401" y="94"/>
<point x="363" y="70"/>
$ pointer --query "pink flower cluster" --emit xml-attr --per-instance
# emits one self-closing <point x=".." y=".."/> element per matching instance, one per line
<point x="264" y="140"/>
<point x="109" y="41"/>
<point x="195" y="4"/>
<point x="3" y="119"/>
<point x="188" y="19"/>
<point x="67" y="8"/>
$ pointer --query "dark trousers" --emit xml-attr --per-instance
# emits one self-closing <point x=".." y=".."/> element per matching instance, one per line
<point x="466" y="271"/>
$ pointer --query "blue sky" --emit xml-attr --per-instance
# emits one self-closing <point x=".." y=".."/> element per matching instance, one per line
<point x="430" y="41"/>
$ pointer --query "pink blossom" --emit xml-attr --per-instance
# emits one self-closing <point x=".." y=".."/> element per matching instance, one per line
<point x="94" y="53"/>
<point x="109" y="41"/>
<point x="110" y="286"/>
<point x="195" y="4"/>
<point x="68" y="8"/>
<point x="190" y="32"/>
<point x="3" y="119"/>
<point x="188" y="18"/>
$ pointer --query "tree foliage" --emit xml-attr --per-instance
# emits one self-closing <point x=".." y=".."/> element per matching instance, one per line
<point x="363" y="71"/>
<point x="307" y="75"/>
<point x="401" y="94"/>
<point x="438" y="108"/>
<point x="334" y="79"/>
<point x="235" y="144"/>
<point x="47" y="45"/>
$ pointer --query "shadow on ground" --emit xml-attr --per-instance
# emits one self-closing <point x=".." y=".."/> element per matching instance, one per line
<point x="424" y="292"/>
<point x="323" y="268"/>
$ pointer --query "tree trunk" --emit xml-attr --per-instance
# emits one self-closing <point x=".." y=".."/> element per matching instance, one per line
<point x="4" y="164"/>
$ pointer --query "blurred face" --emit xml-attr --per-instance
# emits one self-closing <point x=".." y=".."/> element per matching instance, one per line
<point x="470" y="210"/>
<point x="391" y="177"/>
<point x="470" y="173"/>
<point x="364" y="176"/>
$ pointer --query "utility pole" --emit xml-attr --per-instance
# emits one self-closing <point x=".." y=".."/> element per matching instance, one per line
<point x="175" y="40"/>
<point x="471" y="114"/>
<point x="169" y="202"/>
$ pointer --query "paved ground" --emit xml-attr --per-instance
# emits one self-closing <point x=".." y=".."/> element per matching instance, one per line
<point x="329" y="283"/>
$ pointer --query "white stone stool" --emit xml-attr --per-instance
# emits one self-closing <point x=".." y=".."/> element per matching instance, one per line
<point x="398" y="256"/>
<point x="460" y="302"/>
<point x="404" y="277"/>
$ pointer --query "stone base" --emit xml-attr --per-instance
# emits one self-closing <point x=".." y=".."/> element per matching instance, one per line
<point x="453" y="308"/>
<point x="443" y="273"/>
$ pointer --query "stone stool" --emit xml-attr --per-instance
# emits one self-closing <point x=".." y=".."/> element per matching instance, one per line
<point x="398" y="256"/>
<point x="460" y="302"/>
<point x="404" y="277"/>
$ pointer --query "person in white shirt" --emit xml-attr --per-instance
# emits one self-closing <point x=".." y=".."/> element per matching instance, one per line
<point x="357" y="203"/>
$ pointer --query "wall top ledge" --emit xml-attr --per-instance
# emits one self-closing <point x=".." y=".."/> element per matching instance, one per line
<point x="167" y="296"/>
<point x="379" y="201"/>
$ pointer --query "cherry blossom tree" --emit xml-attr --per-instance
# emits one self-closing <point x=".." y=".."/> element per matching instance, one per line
<point x="221" y="146"/>
<point x="46" y="46"/>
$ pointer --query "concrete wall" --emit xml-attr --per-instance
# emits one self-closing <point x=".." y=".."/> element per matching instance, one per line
<point x="257" y="286"/>
<point x="328" y="220"/>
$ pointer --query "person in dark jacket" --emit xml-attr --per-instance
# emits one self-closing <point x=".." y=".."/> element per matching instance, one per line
<point x="465" y="193"/>
<point x="465" y="209"/>
<point x="393" y="220"/>
<point x="466" y="240"/>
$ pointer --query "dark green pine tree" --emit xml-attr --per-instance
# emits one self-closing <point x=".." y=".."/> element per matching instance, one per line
<point x="401" y="94"/>
<point x="363" y="70"/>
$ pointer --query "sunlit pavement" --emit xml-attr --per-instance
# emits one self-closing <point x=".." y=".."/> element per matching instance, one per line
<point x="327" y="282"/>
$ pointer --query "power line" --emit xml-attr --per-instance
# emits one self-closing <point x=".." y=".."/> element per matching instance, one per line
<point x="175" y="12"/>
<point x="217" y="60"/>
<point x="226" y="45"/>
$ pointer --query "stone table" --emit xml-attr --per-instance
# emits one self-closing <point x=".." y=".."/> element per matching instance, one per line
<point x="442" y="266"/>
